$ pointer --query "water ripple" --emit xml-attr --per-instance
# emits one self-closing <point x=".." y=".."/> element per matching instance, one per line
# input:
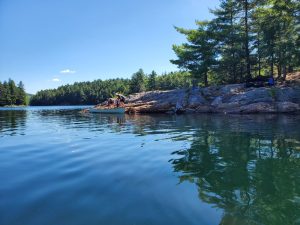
<point x="59" y="166"/>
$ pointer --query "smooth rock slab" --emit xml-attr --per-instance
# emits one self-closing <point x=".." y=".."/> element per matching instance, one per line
<point x="218" y="99"/>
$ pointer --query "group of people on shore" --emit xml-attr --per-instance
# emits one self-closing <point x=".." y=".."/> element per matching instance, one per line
<point x="260" y="81"/>
<point x="118" y="101"/>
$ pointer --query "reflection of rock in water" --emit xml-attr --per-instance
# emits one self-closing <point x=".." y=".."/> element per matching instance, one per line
<point x="267" y="126"/>
<point x="12" y="122"/>
<point x="247" y="166"/>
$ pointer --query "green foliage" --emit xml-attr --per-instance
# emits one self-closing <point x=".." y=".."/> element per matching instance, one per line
<point x="90" y="93"/>
<point x="173" y="80"/>
<point x="81" y="93"/>
<point x="138" y="81"/>
<point x="197" y="56"/>
<point x="28" y="97"/>
<point x="151" y="84"/>
<point x="245" y="39"/>
<point x="10" y="94"/>
<point x="21" y="94"/>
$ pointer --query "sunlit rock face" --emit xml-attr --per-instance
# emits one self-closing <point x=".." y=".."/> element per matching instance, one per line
<point x="233" y="98"/>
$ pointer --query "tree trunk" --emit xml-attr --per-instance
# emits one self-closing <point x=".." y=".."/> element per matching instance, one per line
<point x="284" y="72"/>
<point x="194" y="82"/>
<point x="259" y="56"/>
<point x="248" y="69"/>
<point x="241" y="72"/>
<point x="234" y="73"/>
<point x="278" y="71"/>
<point x="232" y="47"/>
<point x="279" y="68"/>
<point x="205" y="79"/>
<point x="272" y="66"/>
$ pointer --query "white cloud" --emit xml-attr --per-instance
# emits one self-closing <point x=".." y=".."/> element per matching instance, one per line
<point x="56" y="80"/>
<point x="67" y="71"/>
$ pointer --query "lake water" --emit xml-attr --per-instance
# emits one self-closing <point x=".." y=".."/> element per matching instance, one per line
<point x="58" y="166"/>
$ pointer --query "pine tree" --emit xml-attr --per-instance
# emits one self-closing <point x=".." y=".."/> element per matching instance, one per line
<point x="13" y="92"/>
<point x="286" y="35"/>
<point x="138" y="82"/>
<point x="151" y="85"/>
<point x="21" y="94"/>
<point x="2" y="95"/>
<point x="229" y="39"/>
<point x="198" y="55"/>
<point x="6" y="94"/>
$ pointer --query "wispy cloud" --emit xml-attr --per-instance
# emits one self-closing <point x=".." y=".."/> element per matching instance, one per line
<point x="56" y="80"/>
<point x="67" y="71"/>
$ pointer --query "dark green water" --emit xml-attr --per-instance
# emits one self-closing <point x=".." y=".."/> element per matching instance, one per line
<point x="58" y="166"/>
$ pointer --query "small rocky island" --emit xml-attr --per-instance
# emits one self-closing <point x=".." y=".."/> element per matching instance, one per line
<point x="232" y="98"/>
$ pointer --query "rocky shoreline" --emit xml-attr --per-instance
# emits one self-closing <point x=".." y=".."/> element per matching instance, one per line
<point x="232" y="98"/>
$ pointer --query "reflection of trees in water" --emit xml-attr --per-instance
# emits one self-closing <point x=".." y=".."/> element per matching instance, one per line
<point x="254" y="176"/>
<point x="12" y="122"/>
<point x="246" y="165"/>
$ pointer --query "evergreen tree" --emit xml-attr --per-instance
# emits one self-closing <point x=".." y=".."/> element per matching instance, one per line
<point x="229" y="40"/>
<point x="138" y="81"/>
<point x="246" y="38"/>
<point x="6" y="94"/>
<point x="21" y="94"/>
<point x="2" y="95"/>
<point x="10" y="94"/>
<point x="286" y="35"/>
<point x="246" y="6"/>
<point x="12" y="91"/>
<point x="151" y="84"/>
<point x="99" y="90"/>
<point x="198" y="55"/>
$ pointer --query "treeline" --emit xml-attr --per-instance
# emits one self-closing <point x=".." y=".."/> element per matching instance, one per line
<point x="12" y="94"/>
<point x="245" y="39"/>
<point x="99" y="90"/>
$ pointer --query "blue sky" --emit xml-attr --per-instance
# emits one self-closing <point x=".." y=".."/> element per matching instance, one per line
<point x="49" y="43"/>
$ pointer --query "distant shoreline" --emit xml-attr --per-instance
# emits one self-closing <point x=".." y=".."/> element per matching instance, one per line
<point x="24" y="106"/>
<point x="13" y="106"/>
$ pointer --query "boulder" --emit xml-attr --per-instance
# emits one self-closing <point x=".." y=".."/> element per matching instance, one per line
<point x="287" y="107"/>
<point x="284" y="94"/>
<point x="258" y="107"/>
<point x="231" y="89"/>
<point x="250" y="96"/>
<point x="195" y="98"/>
<point x="217" y="101"/>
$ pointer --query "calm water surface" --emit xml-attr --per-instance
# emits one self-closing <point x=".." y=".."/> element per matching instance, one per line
<point x="58" y="166"/>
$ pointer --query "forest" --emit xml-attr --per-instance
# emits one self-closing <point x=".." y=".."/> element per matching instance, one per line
<point x="244" y="40"/>
<point x="12" y="94"/>
<point x="99" y="90"/>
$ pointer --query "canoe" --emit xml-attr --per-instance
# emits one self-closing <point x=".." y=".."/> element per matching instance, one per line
<point x="112" y="110"/>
